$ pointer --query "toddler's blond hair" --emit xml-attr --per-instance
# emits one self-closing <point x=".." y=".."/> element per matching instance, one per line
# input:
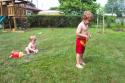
<point x="33" y="37"/>
<point x="87" y="15"/>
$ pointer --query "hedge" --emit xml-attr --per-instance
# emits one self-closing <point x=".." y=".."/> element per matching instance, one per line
<point x="63" y="20"/>
<point x="54" y="21"/>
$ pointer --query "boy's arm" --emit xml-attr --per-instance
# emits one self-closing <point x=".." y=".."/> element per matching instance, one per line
<point x="89" y="34"/>
<point x="29" y="46"/>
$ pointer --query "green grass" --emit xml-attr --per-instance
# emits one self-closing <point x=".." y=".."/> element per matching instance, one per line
<point x="55" y="62"/>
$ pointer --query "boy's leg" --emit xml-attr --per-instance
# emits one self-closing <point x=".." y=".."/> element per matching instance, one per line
<point x="78" y="57"/>
<point x="27" y="50"/>
<point x="82" y="60"/>
<point x="79" y="53"/>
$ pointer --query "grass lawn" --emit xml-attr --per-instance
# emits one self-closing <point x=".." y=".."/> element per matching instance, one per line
<point x="55" y="62"/>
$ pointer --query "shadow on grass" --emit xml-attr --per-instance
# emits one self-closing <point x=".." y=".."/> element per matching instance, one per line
<point x="92" y="59"/>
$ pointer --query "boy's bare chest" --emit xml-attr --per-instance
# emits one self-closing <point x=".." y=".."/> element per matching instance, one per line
<point x="84" y="29"/>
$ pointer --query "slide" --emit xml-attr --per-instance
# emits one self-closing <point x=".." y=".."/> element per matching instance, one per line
<point x="1" y="19"/>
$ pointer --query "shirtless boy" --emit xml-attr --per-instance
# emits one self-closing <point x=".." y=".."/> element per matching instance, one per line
<point x="82" y="35"/>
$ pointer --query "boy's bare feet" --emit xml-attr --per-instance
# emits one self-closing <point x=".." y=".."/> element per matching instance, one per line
<point x="83" y="63"/>
<point x="79" y="66"/>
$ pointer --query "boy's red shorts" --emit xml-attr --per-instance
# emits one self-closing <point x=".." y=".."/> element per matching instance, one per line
<point x="80" y="45"/>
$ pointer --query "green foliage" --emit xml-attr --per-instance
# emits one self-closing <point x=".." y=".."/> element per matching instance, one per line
<point x="115" y="6"/>
<point x="76" y="7"/>
<point x="109" y="20"/>
<point x="54" y="21"/>
<point x="54" y="8"/>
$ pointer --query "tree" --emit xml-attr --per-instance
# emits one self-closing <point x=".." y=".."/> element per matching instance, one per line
<point x="115" y="6"/>
<point x="100" y="12"/>
<point x="76" y="7"/>
<point x="54" y="8"/>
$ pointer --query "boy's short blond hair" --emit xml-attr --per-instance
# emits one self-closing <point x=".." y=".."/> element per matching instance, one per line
<point x="87" y="15"/>
<point x="33" y="37"/>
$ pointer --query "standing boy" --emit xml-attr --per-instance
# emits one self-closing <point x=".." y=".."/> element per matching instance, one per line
<point x="82" y="35"/>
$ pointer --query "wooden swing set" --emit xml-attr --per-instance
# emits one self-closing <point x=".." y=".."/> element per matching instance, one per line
<point x="13" y="10"/>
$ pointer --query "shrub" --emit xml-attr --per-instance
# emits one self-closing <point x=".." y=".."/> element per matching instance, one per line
<point x="54" y="21"/>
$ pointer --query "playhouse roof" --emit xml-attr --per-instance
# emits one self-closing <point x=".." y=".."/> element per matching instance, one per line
<point x="15" y="0"/>
<point x="32" y="8"/>
<point x="24" y="1"/>
<point x="29" y="5"/>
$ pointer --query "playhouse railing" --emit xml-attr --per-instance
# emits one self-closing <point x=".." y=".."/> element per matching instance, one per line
<point x="16" y="11"/>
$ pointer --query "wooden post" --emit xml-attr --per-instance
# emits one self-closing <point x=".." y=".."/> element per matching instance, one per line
<point x="1" y="11"/>
<point x="15" y="27"/>
<point x="103" y="22"/>
<point x="97" y="20"/>
<point x="14" y="17"/>
<point x="1" y="8"/>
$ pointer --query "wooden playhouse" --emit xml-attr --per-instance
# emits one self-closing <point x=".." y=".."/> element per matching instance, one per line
<point x="14" y="11"/>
